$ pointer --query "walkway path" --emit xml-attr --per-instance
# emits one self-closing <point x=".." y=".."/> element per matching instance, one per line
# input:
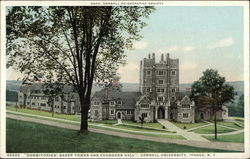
<point x="97" y="125"/>
<point x="200" y="144"/>
<point x="188" y="135"/>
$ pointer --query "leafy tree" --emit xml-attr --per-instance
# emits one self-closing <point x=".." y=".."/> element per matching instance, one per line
<point x="11" y="96"/>
<point x="237" y="109"/>
<point x="72" y="44"/>
<point x="210" y="91"/>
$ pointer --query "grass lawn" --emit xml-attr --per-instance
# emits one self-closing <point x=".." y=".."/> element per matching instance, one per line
<point x="135" y="128"/>
<point x="189" y="125"/>
<point x="228" y="138"/>
<point x="149" y="125"/>
<point x="27" y="137"/>
<point x="167" y="136"/>
<point x="108" y="122"/>
<point x="230" y="124"/>
<point x="210" y="130"/>
<point x="44" y="113"/>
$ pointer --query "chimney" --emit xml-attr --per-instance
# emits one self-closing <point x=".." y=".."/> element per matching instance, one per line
<point x="149" y="56"/>
<point x="153" y="55"/>
<point x="106" y="93"/>
<point x="162" y="57"/>
<point x="115" y="83"/>
<point x="167" y="56"/>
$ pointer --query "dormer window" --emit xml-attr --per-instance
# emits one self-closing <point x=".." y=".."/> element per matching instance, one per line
<point x="112" y="103"/>
<point x="185" y="106"/>
<point x="119" y="102"/>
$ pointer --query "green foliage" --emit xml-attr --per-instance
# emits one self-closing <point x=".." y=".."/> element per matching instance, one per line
<point x="237" y="109"/>
<point x="26" y="137"/>
<point x="72" y="44"/>
<point x="228" y="138"/>
<point x="210" y="130"/>
<point x="11" y="96"/>
<point x="210" y="90"/>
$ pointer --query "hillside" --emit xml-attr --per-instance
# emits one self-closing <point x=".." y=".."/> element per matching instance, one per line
<point x="132" y="87"/>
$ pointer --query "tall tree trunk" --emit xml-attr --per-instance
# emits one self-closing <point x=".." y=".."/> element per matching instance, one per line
<point x="84" y="116"/>
<point x="215" y="125"/>
<point x="52" y="106"/>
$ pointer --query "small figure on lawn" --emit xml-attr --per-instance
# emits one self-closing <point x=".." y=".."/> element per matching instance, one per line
<point x="142" y="120"/>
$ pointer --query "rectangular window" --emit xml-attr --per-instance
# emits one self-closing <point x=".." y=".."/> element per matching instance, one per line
<point x="33" y="104"/>
<point x="96" y="112"/>
<point x="144" y="105"/>
<point x="43" y="104"/>
<point x="148" y="73"/>
<point x="160" y="81"/>
<point x="57" y="99"/>
<point x="148" y="89"/>
<point x="173" y="98"/>
<point x="160" y="99"/>
<point x="185" y="106"/>
<point x="185" y="115"/>
<point x="112" y="103"/>
<point x="96" y="103"/>
<point x="28" y="103"/>
<point x="173" y="90"/>
<point x="112" y="112"/>
<point x="128" y="111"/>
<point x="64" y="107"/>
<point x="173" y="73"/>
<point x="119" y="102"/>
<point x="160" y="73"/>
<point x="144" y="115"/>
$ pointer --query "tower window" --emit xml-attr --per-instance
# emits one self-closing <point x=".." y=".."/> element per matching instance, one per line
<point x="148" y="72"/>
<point x="160" y="81"/>
<point x="173" y="73"/>
<point x="160" y="99"/>
<point x="173" y="90"/>
<point x="160" y="73"/>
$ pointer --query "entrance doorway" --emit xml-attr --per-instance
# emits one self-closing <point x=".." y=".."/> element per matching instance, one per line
<point x="161" y="113"/>
<point x="119" y="115"/>
<point x="202" y="116"/>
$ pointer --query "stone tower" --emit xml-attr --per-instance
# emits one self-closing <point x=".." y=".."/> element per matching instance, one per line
<point x="160" y="79"/>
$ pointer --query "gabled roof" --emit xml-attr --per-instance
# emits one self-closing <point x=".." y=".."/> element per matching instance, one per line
<point x="128" y="98"/>
<point x="67" y="88"/>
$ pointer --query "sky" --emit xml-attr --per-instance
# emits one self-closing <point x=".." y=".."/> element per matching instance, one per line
<point x="200" y="37"/>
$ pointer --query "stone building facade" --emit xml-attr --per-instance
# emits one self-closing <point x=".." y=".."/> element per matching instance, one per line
<point x="158" y="97"/>
<point x="32" y="96"/>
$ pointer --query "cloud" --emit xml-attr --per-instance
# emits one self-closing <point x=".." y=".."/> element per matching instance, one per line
<point x="222" y="43"/>
<point x="188" y="48"/>
<point x="129" y="73"/>
<point x="140" y="45"/>
<point x="187" y="65"/>
<point x="167" y="50"/>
